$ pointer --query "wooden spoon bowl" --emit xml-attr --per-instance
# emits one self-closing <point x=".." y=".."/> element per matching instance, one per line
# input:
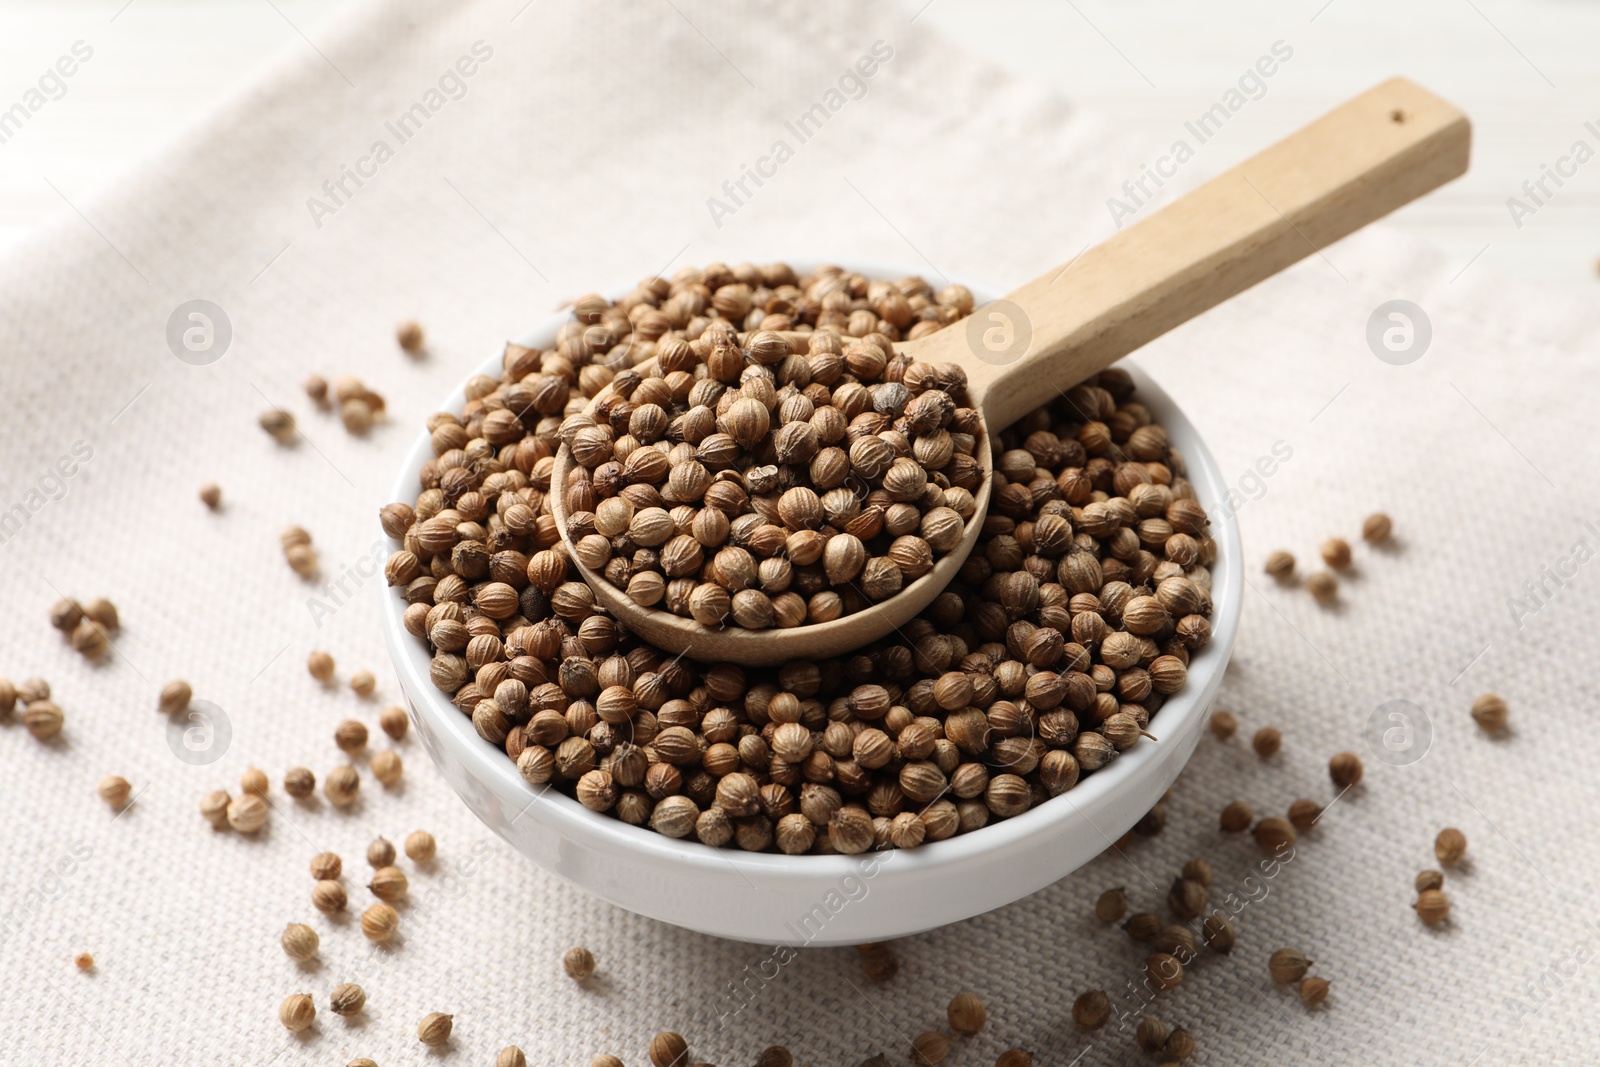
<point x="1356" y="164"/>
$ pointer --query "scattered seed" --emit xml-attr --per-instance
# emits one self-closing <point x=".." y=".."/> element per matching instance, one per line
<point x="297" y="1012"/>
<point x="299" y="782"/>
<point x="83" y="961"/>
<point x="409" y="336"/>
<point x="1014" y="1057"/>
<point x="1303" y="814"/>
<point x="175" y="697"/>
<point x="1313" y="991"/>
<point x="1198" y="870"/>
<point x="1179" y="1046"/>
<point x="1091" y="1010"/>
<point x="389" y="883"/>
<point x="247" y="813"/>
<point x="43" y="720"/>
<point x="278" y="423"/>
<point x="1164" y="970"/>
<point x="115" y="790"/>
<point x="363" y="683"/>
<point x="211" y="495"/>
<point x="1143" y="926"/>
<point x="214" y="807"/>
<point x="1432" y="906"/>
<point x="316" y="387"/>
<point x="512" y="1056"/>
<point x="1218" y="932"/>
<point x="1237" y="817"/>
<point x="350" y="736"/>
<point x="342" y="786"/>
<point x="387" y="767"/>
<point x="578" y="963"/>
<point x="1223" y="725"/>
<point x="1151" y="1034"/>
<point x="1429" y="879"/>
<point x="1288" y="965"/>
<point x="328" y="897"/>
<point x="320" y="664"/>
<point x="1280" y="565"/>
<point x="420" y="847"/>
<point x="347" y="999"/>
<point x="669" y="1049"/>
<point x="1267" y="741"/>
<point x="1450" y="846"/>
<point x="929" y="1048"/>
<point x="380" y="922"/>
<point x="1112" y="905"/>
<point x="1187" y="900"/>
<point x="1375" y="529"/>
<point x="255" y="781"/>
<point x="966" y="1014"/>
<point x="326" y="866"/>
<point x="299" y="942"/>
<point x="1323" y="587"/>
<point x="394" y="722"/>
<point x="1490" y="713"/>
<point x="1273" y="834"/>
<point x="434" y="1030"/>
<point x="65" y="614"/>
<point x="1336" y="553"/>
<point x="1345" y="769"/>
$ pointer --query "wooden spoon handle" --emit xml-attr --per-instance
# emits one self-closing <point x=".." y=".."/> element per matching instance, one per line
<point x="1357" y="163"/>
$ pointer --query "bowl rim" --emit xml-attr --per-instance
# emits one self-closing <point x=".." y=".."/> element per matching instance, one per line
<point x="609" y="834"/>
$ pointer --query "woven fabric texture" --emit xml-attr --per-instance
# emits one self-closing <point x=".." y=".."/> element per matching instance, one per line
<point x="579" y="155"/>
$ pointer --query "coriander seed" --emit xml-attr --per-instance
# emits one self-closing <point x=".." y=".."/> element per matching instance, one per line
<point x="1280" y="565"/>
<point x="1091" y="1010"/>
<point x="299" y="782"/>
<point x="1303" y="814"/>
<point x="320" y="664"/>
<point x="578" y="963"/>
<point x="299" y="942"/>
<point x="929" y="1048"/>
<point x="1151" y="1034"/>
<point x="408" y="335"/>
<point x="669" y="1049"/>
<point x="510" y="1056"/>
<point x="65" y="614"/>
<point x="254" y="780"/>
<point x="347" y="999"/>
<point x="1336" y="553"/>
<point x="1274" y="834"/>
<point x="393" y="722"/>
<point x="966" y="1014"/>
<point x="1014" y="1057"/>
<point x="1237" y="817"/>
<point x="380" y="853"/>
<point x="342" y="786"/>
<point x="247" y="813"/>
<point x="1143" y="926"/>
<point x="115" y="790"/>
<point x="316" y="387"/>
<point x="43" y="720"/>
<point x="350" y="736"/>
<point x="175" y="697"/>
<point x="420" y="847"/>
<point x="297" y="1012"/>
<point x="1218" y="933"/>
<point x="389" y="883"/>
<point x="1288" y="965"/>
<point x="1313" y="991"/>
<point x="1186" y="899"/>
<point x="1223" y="725"/>
<point x="1112" y="905"/>
<point x="84" y="961"/>
<point x="1432" y="906"/>
<point x="387" y="767"/>
<point x="363" y="683"/>
<point x="1179" y="1046"/>
<point x="775" y="1056"/>
<point x="1429" y="879"/>
<point x="214" y="807"/>
<point x="1450" y="847"/>
<point x="1267" y="741"/>
<point x="380" y="923"/>
<point x="90" y="639"/>
<point x="103" y="612"/>
<point x="1345" y="769"/>
<point x="1490" y="713"/>
<point x="1323" y="587"/>
<point x="1163" y="970"/>
<point x="434" y="1030"/>
<point x="1376" y="528"/>
<point x="328" y="897"/>
<point x="326" y="866"/>
<point x="278" y="423"/>
<point x="1198" y="870"/>
<point x="211" y="495"/>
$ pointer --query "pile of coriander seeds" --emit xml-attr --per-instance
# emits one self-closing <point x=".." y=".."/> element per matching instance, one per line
<point x="1060" y="637"/>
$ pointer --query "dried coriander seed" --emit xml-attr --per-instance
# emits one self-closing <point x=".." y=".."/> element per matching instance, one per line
<point x="1143" y="926"/>
<point x="1432" y="906"/>
<point x="408" y="335"/>
<point x="434" y="1030"/>
<point x="1151" y="1034"/>
<point x="389" y="884"/>
<point x="43" y="719"/>
<point x="1323" y="587"/>
<point x="1345" y="769"/>
<point x="115" y="790"/>
<point x="1430" y="879"/>
<point x="326" y="866"/>
<point x="1014" y="1057"/>
<point x="350" y="736"/>
<point x="669" y="1049"/>
<point x="1186" y="899"/>
<point x="578" y="963"/>
<point x="1223" y="725"/>
<point x="1450" y="847"/>
<point x="175" y="697"/>
<point x="1280" y="565"/>
<point x="387" y="767"/>
<point x="1303" y="814"/>
<point x="363" y="683"/>
<point x="328" y="897"/>
<point x="1376" y="528"/>
<point x="775" y="1056"/>
<point x="1236" y="817"/>
<point x="393" y="721"/>
<point x="65" y="614"/>
<point x="247" y="813"/>
<point x="1112" y="905"/>
<point x="1266" y="742"/>
<point x="347" y="999"/>
<point x="511" y="1056"/>
<point x="278" y="423"/>
<point x="342" y="786"/>
<point x="297" y="1012"/>
<point x="1199" y="871"/>
<point x="299" y="782"/>
<point x="1335" y="553"/>
<point x="929" y="1048"/>
<point x="299" y="942"/>
<point x="1091" y="1010"/>
<point x="89" y="639"/>
<point x="320" y="666"/>
<point x="254" y="780"/>
<point x="1490" y="713"/>
<point x="84" y="961"/>
<point x="420" y="847"/>
<point x="1288" y="965"/>
<point x="1218" y="933"/>
<point x="103" y="612"/>
<point x="1163" y="970"/>
<point x="1273" y="834"/>
<point x="1313" y="991"/>
<point x="1179" y="1046"/>
<point x="211" y="495"/>
<point x="966" y="1014"/>
<point x="380" y="922"/>
<point x="380" y="853"/>
<point x="214" y="807"/>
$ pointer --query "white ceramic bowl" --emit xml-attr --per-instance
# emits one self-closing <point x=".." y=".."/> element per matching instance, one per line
<point x="772" y="898"/>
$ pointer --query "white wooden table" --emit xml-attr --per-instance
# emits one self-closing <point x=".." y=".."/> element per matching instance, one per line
<point x="1524" y="72"/>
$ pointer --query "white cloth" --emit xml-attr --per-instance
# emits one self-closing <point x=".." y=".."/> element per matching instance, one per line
<point x="580" y="156"/>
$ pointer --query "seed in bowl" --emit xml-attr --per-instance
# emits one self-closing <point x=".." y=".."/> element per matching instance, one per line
<point x="1044" y="658"/>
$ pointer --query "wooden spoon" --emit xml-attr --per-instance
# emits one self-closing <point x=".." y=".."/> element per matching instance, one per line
<point x="1355" y="164"/>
